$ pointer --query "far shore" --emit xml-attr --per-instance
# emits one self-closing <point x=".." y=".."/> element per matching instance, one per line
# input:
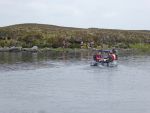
<point x="36" y="49"/>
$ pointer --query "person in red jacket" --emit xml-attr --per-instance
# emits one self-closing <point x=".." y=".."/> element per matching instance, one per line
<point x="97" y="57"/>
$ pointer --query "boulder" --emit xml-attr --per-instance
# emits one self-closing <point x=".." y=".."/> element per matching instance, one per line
<point x="15" y="49"/>
<point x="35" y="48"/>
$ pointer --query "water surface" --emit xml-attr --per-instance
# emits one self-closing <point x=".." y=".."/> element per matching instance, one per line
<point x="66" y="83"/>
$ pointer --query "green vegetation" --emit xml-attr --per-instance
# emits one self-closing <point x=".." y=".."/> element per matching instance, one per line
<point x="49" y="36"/>
<point x="141" y="47"/>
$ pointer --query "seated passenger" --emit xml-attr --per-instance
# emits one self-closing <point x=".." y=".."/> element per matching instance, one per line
<point x="97" y="57"/>
<point x="110" y="58"/>
<point x="114" y="51"/>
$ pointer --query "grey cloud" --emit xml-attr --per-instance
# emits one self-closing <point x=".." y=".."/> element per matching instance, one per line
<point x="118" y="14"/>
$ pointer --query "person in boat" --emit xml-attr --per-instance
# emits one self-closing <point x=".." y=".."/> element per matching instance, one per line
<point x="115" y="52"/>
<point x="111" y="57"/>
<point x="97" y="57"/>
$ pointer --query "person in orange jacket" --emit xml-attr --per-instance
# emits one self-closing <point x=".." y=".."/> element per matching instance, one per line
<point x="114" y="51"/>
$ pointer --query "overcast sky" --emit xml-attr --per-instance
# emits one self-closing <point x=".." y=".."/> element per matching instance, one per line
<point x="112" y="14"/>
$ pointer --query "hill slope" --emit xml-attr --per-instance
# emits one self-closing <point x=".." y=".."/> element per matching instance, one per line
<point x="42" y="35"/>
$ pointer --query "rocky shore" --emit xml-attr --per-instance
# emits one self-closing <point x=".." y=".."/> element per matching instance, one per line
<point x="19" y="49"/>
<point x="37" y="49"/>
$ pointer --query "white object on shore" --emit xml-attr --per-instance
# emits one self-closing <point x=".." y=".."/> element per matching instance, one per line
<point x="34" y="48"/>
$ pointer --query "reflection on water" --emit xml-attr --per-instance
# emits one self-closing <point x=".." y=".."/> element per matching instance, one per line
<point x="13" y="57"/>
<point x="29" y="60"/>
<point x="57" y="82"/>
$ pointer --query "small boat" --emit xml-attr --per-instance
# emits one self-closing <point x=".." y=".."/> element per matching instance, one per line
<point x="110" y="64"/>
<point x="105" y="58"/>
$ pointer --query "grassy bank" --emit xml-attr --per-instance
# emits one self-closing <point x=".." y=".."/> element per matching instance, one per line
<point x="141" y="47"/>
<point x="58" y="38"/>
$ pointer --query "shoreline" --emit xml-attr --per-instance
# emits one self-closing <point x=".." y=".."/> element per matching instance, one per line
<point x="36" y="49"/>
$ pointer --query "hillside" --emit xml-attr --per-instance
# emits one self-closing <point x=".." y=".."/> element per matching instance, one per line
<point x="41" y="35"/>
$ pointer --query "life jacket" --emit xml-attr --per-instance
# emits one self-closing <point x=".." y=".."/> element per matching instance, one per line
<point x="113" y="57"/>
<point x="98" y="57"/>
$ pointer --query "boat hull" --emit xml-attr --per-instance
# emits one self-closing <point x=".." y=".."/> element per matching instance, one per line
<point x="110" y="64"/>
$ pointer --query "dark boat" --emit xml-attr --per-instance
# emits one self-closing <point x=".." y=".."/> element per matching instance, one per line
<point x="105" y="58"/>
